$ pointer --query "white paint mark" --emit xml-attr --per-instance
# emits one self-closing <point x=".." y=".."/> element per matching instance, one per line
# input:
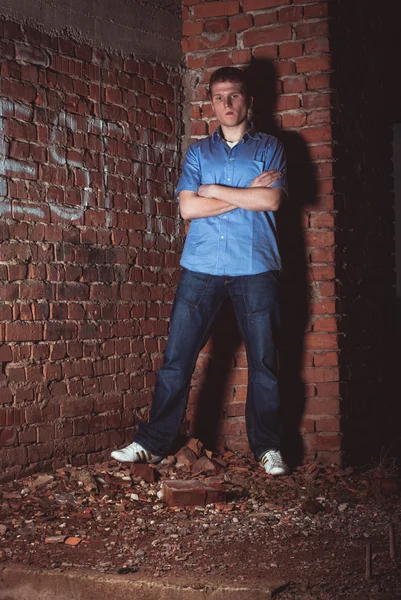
<point x="94" y="125"/>
<point x="68" y="213"/>
<point x="5" y="208"/>
<point x="18" y="167"/>
<point x="21" y="211"/>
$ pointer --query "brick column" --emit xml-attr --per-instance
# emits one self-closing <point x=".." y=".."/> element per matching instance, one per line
<point x="293" y="37"/>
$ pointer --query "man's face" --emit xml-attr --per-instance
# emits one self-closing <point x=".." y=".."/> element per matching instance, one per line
<point x="230" y="103"/>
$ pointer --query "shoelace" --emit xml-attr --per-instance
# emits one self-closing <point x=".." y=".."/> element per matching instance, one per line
<point x="274" y="457"/>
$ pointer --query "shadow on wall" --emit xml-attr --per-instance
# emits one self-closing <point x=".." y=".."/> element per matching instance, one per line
<point x="294" y="305"/>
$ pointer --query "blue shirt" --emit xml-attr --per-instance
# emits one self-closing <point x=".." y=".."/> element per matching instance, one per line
<point x="240" y="242"/>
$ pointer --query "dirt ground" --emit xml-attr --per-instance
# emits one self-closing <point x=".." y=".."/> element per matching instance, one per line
<point x="309" y="530"/>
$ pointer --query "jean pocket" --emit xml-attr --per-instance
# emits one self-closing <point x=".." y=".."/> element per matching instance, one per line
<point x="261" y="292"/>
<point x="192" y="287"/>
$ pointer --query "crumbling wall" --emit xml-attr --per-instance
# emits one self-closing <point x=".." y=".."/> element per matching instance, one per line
<point x="89" y="242"/>
<point x="151" y="30"/>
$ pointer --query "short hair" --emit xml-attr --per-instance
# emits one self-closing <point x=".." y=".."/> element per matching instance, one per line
<point x="229" y="74"/>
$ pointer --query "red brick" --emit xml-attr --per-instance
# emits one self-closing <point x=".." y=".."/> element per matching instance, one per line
<point x="195" y="62"/>
<point x="323" y="442"/>
<point x="287" y="103"/>
<point x="269" y="52"/>
<point x="241" y="22"/>
<point x="294" y="84"/>
<point x="267" y="35"/>
<point x="8" y="437"/>
<point x="31" y="55"/>
<point x="192" y="28"/>
<point x="240" y="57"/>
<point x="320" y="341"/>
<point x="192" y="493"/>
<point x="145" y="472"/>
<point x="267" y="18"/>
<point x="284" y="68"/>
<point x="20" y="332"/>
<point x="313" y="29"/>
<point x="307" y="425"/>
<point x="317" y="46"/>
<point x="328" y="389"/>
<point x="294" y="120"/>
<point x="325" y="255"/>
<point x="328" y="425"/>
<point x="218" y="25"/>
<point x="317" y="134"/>
<point x="216" y="9"/>
<point x="290" y="15"/>
<point x="218" y="59"/>
<point x="309" y="64"/>
<point x="320" y="375"/>
<point x="318" y="81"/>
<point x="325" y="359"/>
<point x="259" y="4"/>
<point x="291" y="50"/>
<point x="322" y="406"/>
<point x="319" y="117"/>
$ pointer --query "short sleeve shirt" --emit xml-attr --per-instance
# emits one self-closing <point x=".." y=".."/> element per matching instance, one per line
<point x="240" y="242"/>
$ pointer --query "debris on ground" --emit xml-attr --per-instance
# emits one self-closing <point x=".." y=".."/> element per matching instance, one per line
<point x="221" y="517"/>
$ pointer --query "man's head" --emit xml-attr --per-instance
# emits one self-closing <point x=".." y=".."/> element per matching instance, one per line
<point x="231" y="74"/>
<point x="230" y="99"/>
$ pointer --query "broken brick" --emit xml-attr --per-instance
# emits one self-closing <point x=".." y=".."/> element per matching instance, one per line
<point x="195" y="445"/>
<point x="185" y="457"/>
<point x="145" y="472"/>
<point x="73" y="541"/>
<point x="192" y="493"/>
<point x="204" y="464"/>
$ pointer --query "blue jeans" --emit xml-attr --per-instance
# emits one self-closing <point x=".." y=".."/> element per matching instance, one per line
<point x="199" y="296"/>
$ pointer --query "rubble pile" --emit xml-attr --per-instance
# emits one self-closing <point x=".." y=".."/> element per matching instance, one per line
<point x="218" y="518"/>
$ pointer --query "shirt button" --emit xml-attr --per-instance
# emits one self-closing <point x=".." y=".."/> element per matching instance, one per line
<point x="224" y="217"/>
<point x="228" y="179"/>
<point x="222" y="237"/>
<point x="231" y="159"/>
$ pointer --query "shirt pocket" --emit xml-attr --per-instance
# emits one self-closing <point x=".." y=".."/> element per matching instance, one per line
<point x="246" y="171"/>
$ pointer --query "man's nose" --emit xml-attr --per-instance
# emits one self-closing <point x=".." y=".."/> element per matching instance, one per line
<point x="227" y="101"/>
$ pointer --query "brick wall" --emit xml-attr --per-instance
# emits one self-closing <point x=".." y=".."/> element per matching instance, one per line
<point x="323" y="84"/>
<point x="89" y="243"/>
<point x="285" y="45"/>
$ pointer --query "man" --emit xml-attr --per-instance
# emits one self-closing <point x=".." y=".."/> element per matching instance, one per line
<point x="231" y="184"/>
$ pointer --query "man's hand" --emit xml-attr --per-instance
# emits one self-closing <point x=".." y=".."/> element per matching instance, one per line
<point x="265" y="179"/>
<point x="206" y="191"/>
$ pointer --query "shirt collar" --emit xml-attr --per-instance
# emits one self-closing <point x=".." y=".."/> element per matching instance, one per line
<point x="251" y="133"/>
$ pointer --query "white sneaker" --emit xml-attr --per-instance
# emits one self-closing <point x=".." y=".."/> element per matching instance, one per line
<point x="135" y="453"/>
<point x="273" y="463"/>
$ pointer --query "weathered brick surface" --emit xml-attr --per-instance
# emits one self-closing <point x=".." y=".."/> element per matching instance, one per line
<point x="89" y="240"/>
<point x="295" y="37"/>
<point x="304" y="40"/>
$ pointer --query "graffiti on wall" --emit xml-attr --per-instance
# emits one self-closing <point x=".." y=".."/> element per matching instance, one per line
<point x="21" y="169"/>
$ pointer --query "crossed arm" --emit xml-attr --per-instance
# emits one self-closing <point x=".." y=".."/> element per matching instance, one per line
<point x="212" y="200"/>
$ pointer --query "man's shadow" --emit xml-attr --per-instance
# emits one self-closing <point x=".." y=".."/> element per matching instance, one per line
<point x="262" y="80"/>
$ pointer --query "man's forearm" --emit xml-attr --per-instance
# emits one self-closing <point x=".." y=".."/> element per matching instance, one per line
<point x="252" y="198"/>
<point x="193" y="206"/>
